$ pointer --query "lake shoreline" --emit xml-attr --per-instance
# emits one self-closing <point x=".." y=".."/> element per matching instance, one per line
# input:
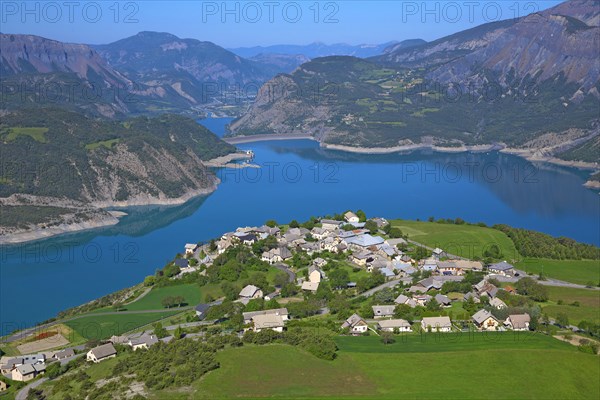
<point x="532" y="155"/>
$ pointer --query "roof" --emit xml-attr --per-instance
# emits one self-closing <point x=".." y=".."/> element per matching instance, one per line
<point x="190" y="246"/>
<point x="441" y="322"/>
<point x="501" y="266"/>
<point x="365" y="240"/>
<point x="387" y="272"/>
<point x="352" y="321"/>
<point x="519" y="321"/>
<point x="350" y="214"/>
<point x="393" y="323"/>
<point x="441" y="299"/>
<point x="314" y="268"/>
<point x="468" y="264"/>
<point x="103" y="351"/>
<point x="496" y="302"/>
<point x="383" y="310"/>
<point x="249" y="291"/>
<point x="362" y="255"/>
<point x="181" y="262"/>
<point x="148" y="340"/>
<point x="312" y="286"/>
<point x="482" y="315"/>
<point x="331" y="222"/>
<point x="265" y="321"/>
<point x="277" y="311"/>
<point x="401" y="299"/>
<point x="202" y="308"/>
<point x="64" y="353"/>
<point x="26" y="369"/>
<point x="437" y="250"/>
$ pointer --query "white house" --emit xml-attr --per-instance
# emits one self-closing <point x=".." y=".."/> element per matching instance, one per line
<point x="101" y="353"/>
<point x="330" y="224"/>
<point x="356" y="324"/>
<point x="497" y="303"/>
<point x="351" y="218"/>
<point x="390" y="325"/>
<point x="142" y="342"/>
<point x="251" y="292"/>
<point x="485" y="321"/>
<point x="282" y="312"/>
<point x="268" y="321"/>
<point x="315" y="274"/>
<point x="383" y="311"/>
<point x="310" y="286"/>
<point x="436" y="324"/>
<point x="518" y="322"/>
<point x="502" y="268"/>
<point x="190" y="248"/>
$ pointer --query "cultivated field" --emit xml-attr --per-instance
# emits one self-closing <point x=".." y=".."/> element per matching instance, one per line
<point x="463" y="240"/>
<point x="582" y="272"/>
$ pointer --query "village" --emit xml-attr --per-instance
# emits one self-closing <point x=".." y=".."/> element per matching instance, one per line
<point x="357" y="276"/>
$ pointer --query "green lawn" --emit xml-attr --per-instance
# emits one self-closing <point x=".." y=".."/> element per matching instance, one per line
<point x="280" y="371"/>
<point x="589" y="304"/>
<point x="104" y="143"/>
<point x="37" y="134"/>
<point x="104" y="326"/>
<point x="439" y="366"/>
<point x="575" y="271"/>
<point x="153" y="300"/>
<point x="463" y="240"/>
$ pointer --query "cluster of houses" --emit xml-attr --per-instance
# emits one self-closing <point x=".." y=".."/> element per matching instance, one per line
<point x="483" y="320"/>
<point x="23" y="368"/>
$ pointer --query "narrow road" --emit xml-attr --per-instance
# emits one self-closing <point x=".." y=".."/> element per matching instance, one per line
<point x="22" y="394"/>
<point x="371" y="292"/>
<point x="286" y="269"/>
<point x="144" y="293"/>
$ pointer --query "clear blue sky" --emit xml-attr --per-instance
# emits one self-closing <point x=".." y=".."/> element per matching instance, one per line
<point x="249" y="23"/>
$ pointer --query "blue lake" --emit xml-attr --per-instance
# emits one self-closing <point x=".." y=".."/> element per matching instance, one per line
<point x="297" y="180"/>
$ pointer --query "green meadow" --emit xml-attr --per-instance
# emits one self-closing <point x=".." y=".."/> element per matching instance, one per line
<point x="582" y="272"/>
<point x="587" y="310"/>
<point x="36" y="133"/>
<point x="104" y="326"/>
<point x="454" y="367"/>
<point x="153" y="300"/>
<point x="463" y="240"/>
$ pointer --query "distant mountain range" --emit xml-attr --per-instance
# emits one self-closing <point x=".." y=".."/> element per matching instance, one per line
<point x="315" y="50"/>
<point x="531" y="82"/>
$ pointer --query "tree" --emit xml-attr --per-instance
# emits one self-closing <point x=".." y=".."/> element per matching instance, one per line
<point x="280" y="279"/>
<point x="117" y="306"/>
<point x="178" y="334"/>
<point x="294" y="224"/>
<point x="362" y="217"/>
<point x="433" y="305"/>
<point x="167" y="302"/>
<point x="395" y="233"/>
<point x="371" y="226"/>
<point x="562" y="319"/>
<point x="150" y="280"/>
<point x="230" y="290"/>
<point x="529" y="287"/>
<point x="289" y="290"/>
<point x="338" y="278"/>
<point x="387" y="338"/>
<point x="271" y="223"/>
<point x="421" y="253"/>
<point x="159" y="331"/>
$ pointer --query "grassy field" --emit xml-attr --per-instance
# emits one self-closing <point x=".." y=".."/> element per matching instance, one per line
<point x="37" y="134"/>
<point x="575" y="271"/>
<point x="589" y="304"/>
<point x="153" y="300"/>
<point x="104" y="326"/>
<point x="104" y="143"/>
<point x="463" y="240"/>
<point x="439" y="366"/>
